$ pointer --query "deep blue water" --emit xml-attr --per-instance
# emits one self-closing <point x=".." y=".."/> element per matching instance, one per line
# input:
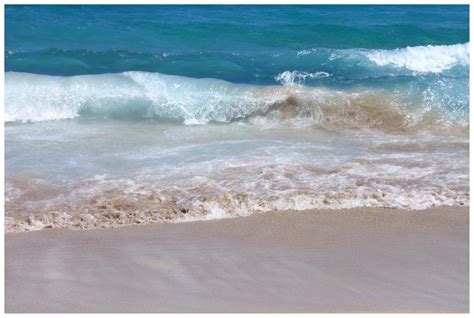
<point x="234" y="43"/>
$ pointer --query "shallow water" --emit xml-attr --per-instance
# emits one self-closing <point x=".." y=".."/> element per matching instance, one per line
<point x="86" y="173"/>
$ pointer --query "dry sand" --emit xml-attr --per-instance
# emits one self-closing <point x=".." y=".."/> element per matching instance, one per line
<point x="359" y="260"/>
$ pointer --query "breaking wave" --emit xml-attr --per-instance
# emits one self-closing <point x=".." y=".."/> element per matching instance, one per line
<point x="423" y="59"/>
<point x="142" y="95"/>
<point x="417" y="59"/>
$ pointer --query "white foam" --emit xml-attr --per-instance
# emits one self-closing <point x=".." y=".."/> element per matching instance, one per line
<point x="423" y="59"/>
<point x="217" y="171"/>
<point x="298" y="77"/>
<point x="275" y="187"/>
<point x="418" y="59"/>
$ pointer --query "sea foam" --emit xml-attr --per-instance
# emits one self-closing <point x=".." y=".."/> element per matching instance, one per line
<point x="297" y="77"/>
<point x="423" y="59"/>
<point x="418" y="59"/>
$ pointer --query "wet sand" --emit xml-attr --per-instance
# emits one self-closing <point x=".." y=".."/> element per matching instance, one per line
<point x="359" y="260"/>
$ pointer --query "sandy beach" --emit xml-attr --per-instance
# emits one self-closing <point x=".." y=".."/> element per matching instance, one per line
<point x="358" y="260"/>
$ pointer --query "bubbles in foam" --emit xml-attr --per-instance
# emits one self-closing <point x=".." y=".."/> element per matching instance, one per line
<point x="297" y="77"/>
<point x="423" y="59"/>
<point x="407" y="173"/>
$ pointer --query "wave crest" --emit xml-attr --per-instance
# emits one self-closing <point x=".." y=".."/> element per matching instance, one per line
<point x="423" y="59"/>
<point x="141" y="95"/>
<point x="418" y="59"/>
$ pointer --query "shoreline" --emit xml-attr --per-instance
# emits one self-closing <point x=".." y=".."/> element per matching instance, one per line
<point x="38" y="223"/>
<point x="357" y="260"/>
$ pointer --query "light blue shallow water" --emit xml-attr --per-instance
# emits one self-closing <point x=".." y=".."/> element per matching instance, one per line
<point x="229" y="110"/>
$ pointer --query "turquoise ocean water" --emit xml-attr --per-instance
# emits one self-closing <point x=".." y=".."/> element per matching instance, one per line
<point x="124" y="114"/>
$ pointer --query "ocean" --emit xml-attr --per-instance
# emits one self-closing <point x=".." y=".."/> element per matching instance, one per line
<point x="119" y="115"/>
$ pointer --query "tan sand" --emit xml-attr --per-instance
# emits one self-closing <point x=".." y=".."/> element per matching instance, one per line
<point x="360" y="260"/>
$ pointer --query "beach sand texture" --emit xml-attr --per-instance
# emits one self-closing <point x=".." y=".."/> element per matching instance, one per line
<point x="358" y="260"/>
